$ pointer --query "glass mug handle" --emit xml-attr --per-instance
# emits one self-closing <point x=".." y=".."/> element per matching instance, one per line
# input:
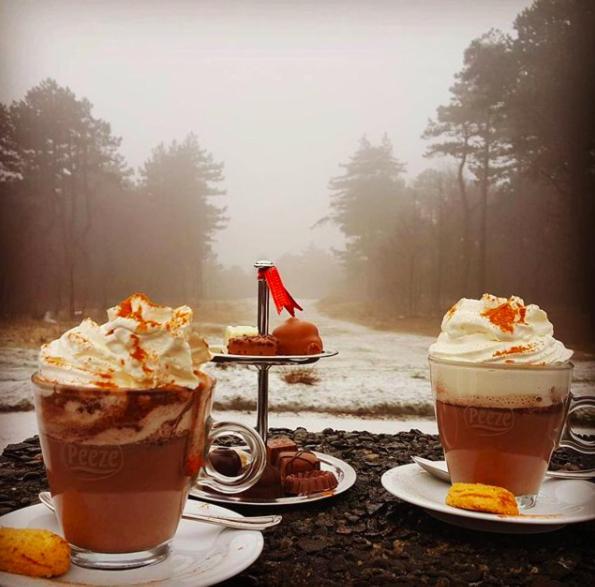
<point x="571" y="439"/>
<point x="209" y="477"/>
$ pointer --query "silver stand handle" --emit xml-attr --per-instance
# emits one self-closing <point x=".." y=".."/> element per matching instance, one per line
<point x="262" y="404"/>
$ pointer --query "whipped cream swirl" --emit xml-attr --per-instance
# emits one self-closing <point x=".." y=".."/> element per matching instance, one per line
<point x="142" y="346"/>
<point x="498" y="330"/>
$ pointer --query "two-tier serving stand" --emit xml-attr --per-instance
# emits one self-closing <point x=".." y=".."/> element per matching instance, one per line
<point x="344" y="472"/>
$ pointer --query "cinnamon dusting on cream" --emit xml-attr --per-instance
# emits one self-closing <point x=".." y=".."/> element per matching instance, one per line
<point x="506" y="315"/>
<point x="514" y="350"/>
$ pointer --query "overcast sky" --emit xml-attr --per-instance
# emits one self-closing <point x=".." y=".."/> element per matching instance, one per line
<point x="280" y="92"/>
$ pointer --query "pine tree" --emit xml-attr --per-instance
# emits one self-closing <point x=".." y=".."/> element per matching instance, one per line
<point x="366" y="202"/>
<point x="68" y="157"/>
<point x="472" y="125"/>
<point x="180" y="181"/>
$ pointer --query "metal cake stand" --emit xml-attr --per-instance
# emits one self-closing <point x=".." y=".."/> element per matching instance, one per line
<point x="344" y="472"/>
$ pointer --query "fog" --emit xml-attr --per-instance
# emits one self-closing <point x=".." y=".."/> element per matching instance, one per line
<point x="281" y="92"/>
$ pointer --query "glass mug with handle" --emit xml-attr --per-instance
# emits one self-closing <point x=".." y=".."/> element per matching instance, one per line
<point x="500" y="423"/>
<point x="120" y="464"/>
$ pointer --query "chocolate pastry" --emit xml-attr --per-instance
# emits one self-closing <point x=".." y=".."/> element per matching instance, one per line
<point x="297" y="462"/>
<point x="277" y="445"/>
<point x="226" y="461"/>
<point x="262" y="346"/>
<point x="268" y="486"/>
<point x="310" y="482"/>
<point x="297" y="337"/>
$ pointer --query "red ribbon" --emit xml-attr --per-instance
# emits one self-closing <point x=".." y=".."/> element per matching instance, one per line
<point x="281" y="297"/>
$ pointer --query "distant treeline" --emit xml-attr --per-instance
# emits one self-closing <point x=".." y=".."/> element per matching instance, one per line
<point x="516" y="211"/>
<point x="77" y="231"/>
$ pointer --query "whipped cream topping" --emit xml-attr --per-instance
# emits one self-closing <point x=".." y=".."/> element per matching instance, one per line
<point x="143" y="345"/>
<point x="498" y="330"/>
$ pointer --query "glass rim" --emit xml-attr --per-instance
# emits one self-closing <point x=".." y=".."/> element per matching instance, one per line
<point x="561" y="366"/>
<point x="40" y="381"/>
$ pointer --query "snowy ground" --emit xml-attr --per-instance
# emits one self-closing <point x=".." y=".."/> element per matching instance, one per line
<point x="376" y="375"/>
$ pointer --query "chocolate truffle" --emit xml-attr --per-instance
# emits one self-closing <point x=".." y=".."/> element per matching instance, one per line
<point x="268" y="486"/>
<point x="310" y="482"/>
<point x="261" y="346"/>
<point x="277" y="445"/>
<point x="297" y="462"/>
<point x="297" y="337"/>
<point x="226" y="461"/>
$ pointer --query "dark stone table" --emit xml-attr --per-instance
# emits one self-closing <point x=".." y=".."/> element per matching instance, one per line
<point x="368" y="537"/>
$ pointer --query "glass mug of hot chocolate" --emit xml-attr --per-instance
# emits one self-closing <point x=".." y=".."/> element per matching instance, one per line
<point x="501" y="384"/>
<point x="124" y="419"/>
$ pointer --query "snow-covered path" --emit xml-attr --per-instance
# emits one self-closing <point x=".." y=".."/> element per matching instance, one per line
<point x="376" y="373"/>
<point x="380" y="373"/>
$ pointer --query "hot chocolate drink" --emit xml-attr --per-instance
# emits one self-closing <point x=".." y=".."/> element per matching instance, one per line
<point x="501" y="446"/>
<point x="501" y="384"/>
<point x="124" y="419"/>
<point x="119" y="462"/>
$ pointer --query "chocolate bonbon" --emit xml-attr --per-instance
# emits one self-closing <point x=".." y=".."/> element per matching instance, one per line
<point x="297" y="462"/>
<point x="309" y="482"/>
<point x="226" y="461"/>
<point x="298" y="337"/>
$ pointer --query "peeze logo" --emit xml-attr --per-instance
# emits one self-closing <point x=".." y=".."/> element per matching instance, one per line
<point x="489" y="422"/>
<point x="93" y="463"/>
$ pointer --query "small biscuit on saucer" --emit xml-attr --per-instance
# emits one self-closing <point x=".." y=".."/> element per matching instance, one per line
<point x="36" y="553"/>
<point x="482" y="498"/>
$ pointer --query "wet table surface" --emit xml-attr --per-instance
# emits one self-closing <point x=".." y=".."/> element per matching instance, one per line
<point x="368" y="537"/>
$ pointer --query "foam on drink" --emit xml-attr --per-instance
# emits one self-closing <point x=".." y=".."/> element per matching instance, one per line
<point x="500" y="332"/>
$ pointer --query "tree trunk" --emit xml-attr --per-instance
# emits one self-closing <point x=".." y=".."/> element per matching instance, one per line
<point x="483" y="218"/>
<point x="440" y="253"/>
<point x="585" y="221"/>
<point x="465" y="237"/>
<point x="411" y="290"/>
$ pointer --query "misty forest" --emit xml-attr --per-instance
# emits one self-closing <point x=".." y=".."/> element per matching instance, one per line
<point x="506" y="204"/>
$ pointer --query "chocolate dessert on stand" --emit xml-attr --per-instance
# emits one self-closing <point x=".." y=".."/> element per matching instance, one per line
<point x="293" y="474"/>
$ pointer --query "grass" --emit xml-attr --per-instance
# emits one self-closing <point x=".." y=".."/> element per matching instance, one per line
<point x="212" y="316"/>
<point x="371" y="316"/>
<point x="210" y="319"/>
<point x="23" y="405"/>
<point x="29" y="333"/>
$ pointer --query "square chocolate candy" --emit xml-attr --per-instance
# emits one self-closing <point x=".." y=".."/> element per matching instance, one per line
<point x="277" y="445"/>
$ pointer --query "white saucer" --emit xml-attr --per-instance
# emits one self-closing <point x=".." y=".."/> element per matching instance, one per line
<point x="560" y="502"/>
<point x="201" y="554"/>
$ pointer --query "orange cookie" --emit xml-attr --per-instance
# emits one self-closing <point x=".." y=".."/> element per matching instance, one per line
<point x="36" y="553"/>
<point x="482" y="498"/>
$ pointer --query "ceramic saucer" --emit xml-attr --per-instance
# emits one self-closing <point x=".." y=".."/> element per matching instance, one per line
<point x="201" y="554"/>
<point x="560" y="502"/>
